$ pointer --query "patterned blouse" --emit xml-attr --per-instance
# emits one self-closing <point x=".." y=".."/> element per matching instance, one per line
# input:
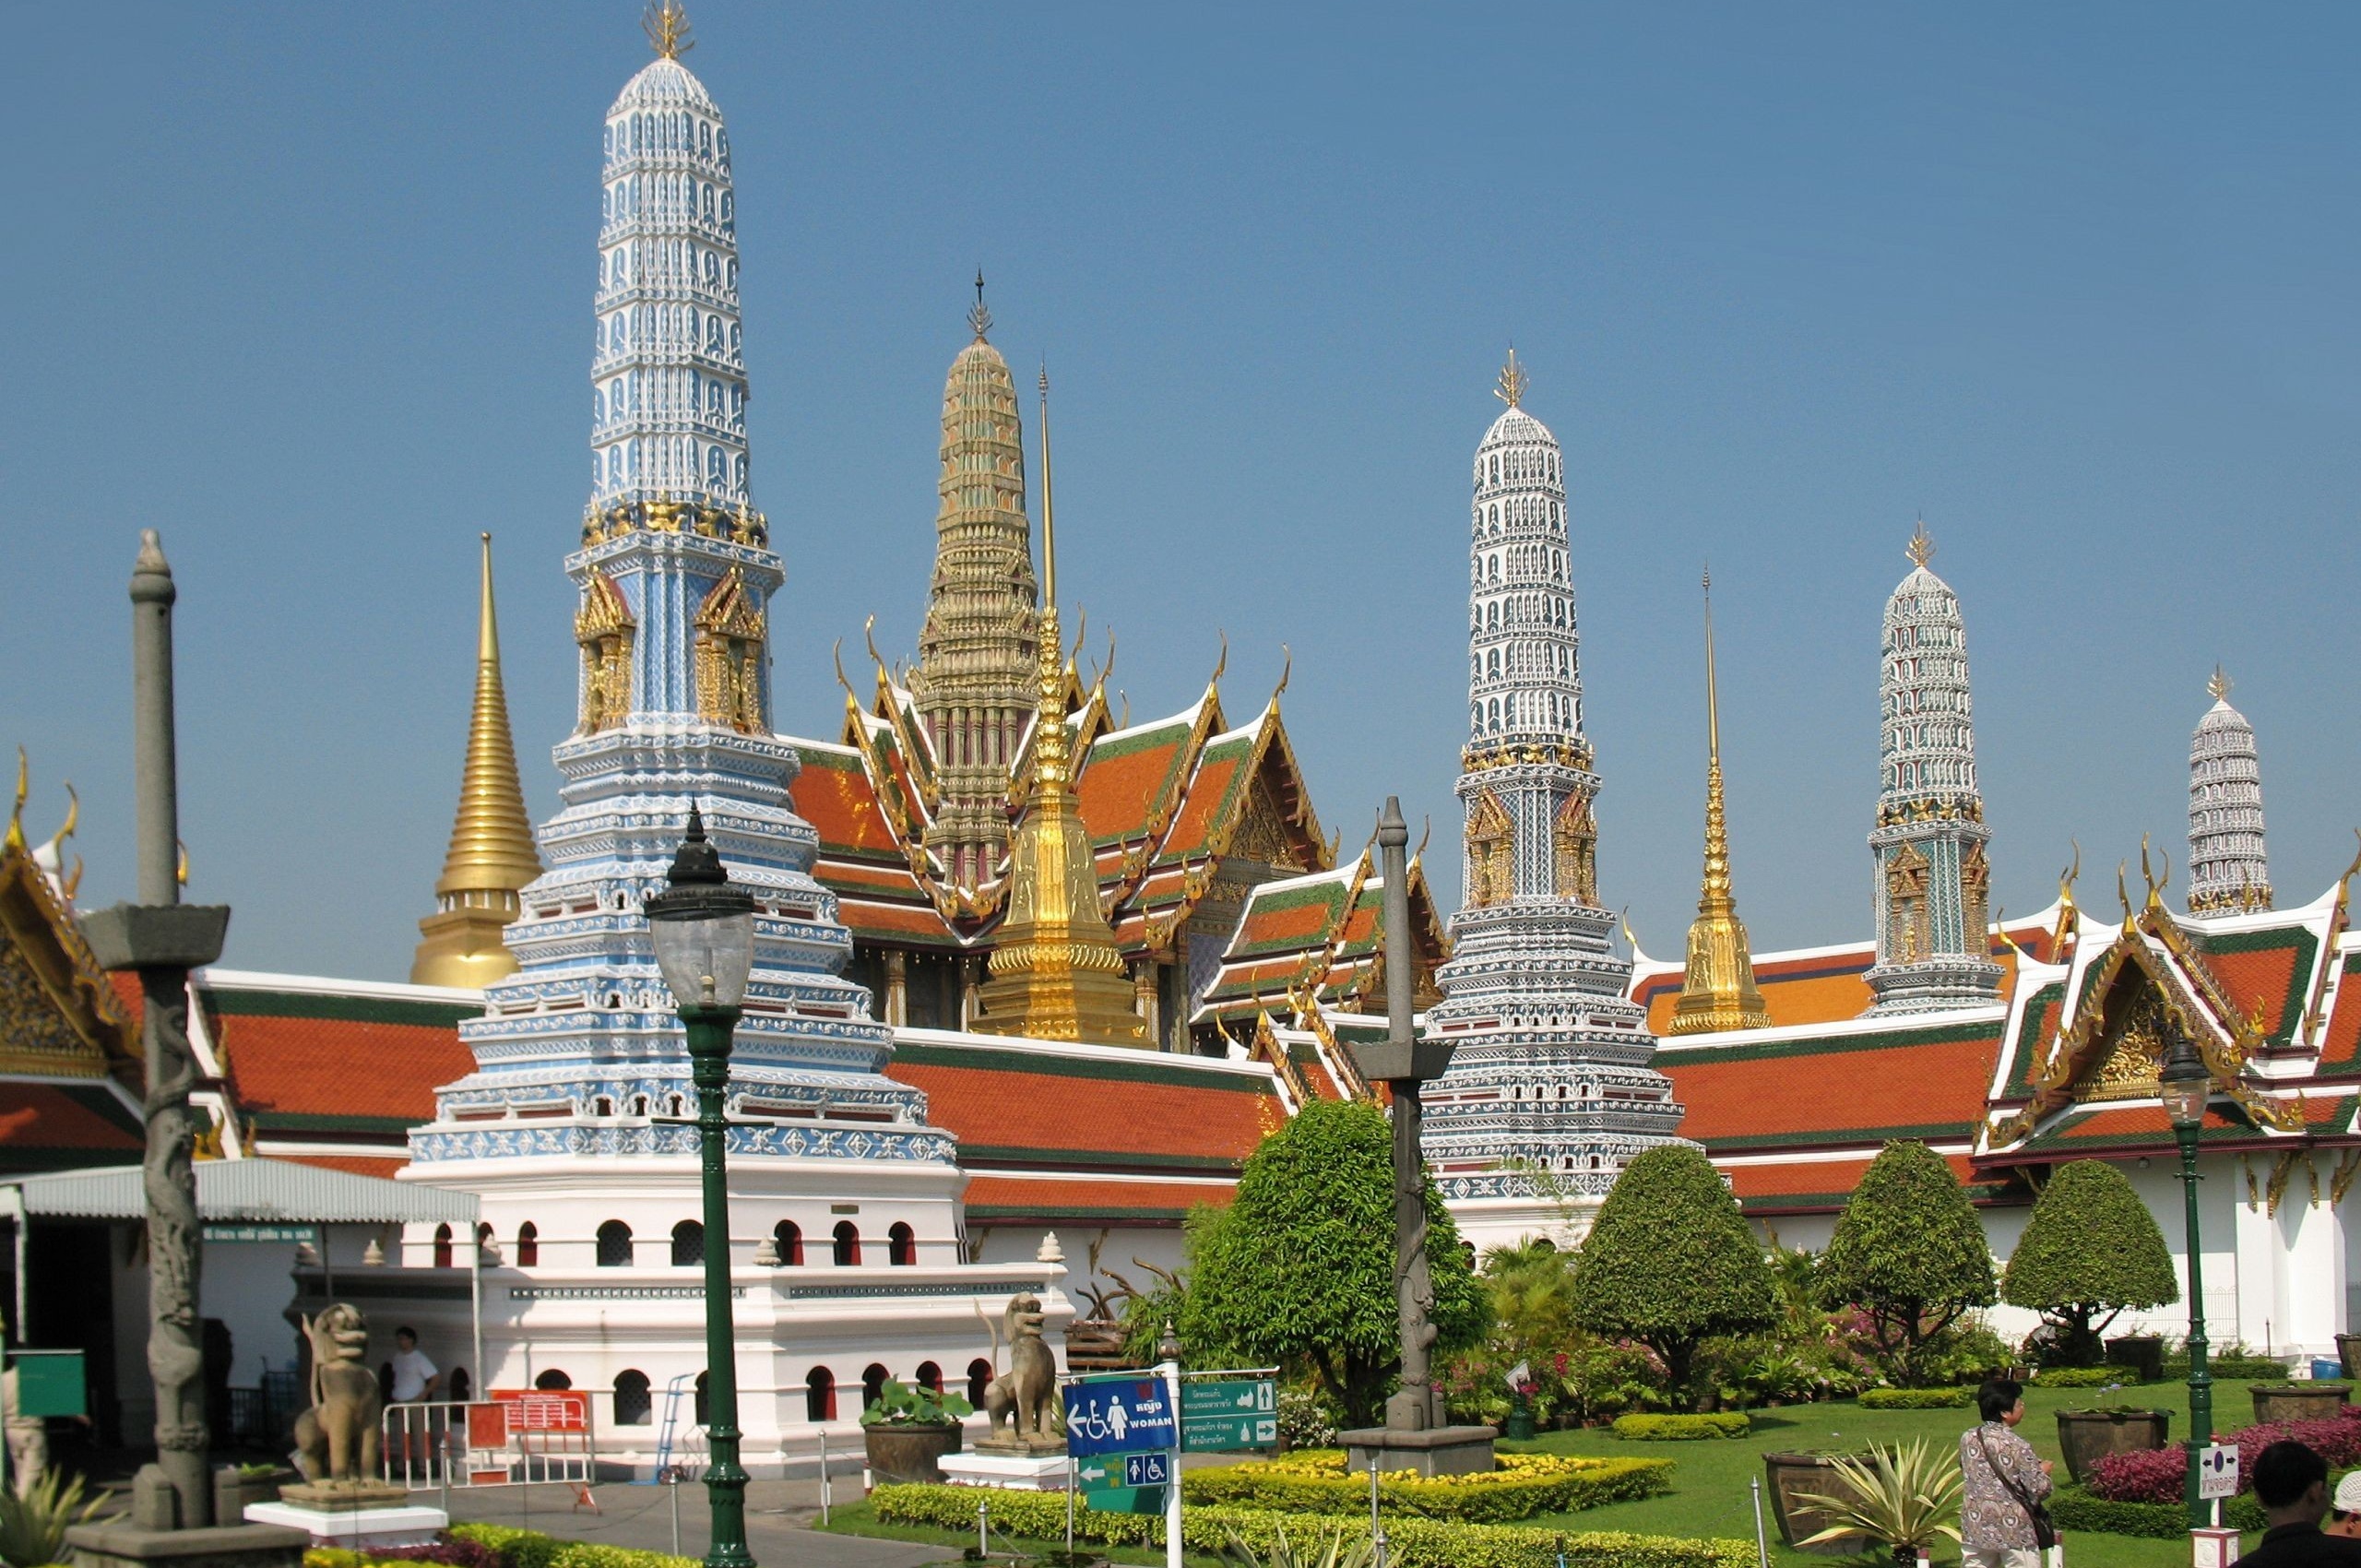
<point x="1990" y="1514"/>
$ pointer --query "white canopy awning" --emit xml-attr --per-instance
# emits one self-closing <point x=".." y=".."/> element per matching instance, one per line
<point x="243" y="1190"/>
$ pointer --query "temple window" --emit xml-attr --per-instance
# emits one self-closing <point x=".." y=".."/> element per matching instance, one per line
<point x="847" y="1248"/>
<point x="688" y="1244"/>
<point x="442" y="1246"/>
<point x="901" y="1246"/>
<point x="819" y="1396"/>
<point x="979" y="1378"/>
<point x="614" y="1244"/>
<point x="634" y="1408"/>
<point x="788" y="1238"/>
<point x="529" y="1245"/>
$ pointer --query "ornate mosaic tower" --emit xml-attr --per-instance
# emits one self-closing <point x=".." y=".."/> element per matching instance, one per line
<point x="1550" y="1090"/>
<point x="2228" y="872"/>
<point x="1933" y="879"/>
<point x="975" y="680"/>
<point x="579" y="1052"/>
<point x="1717" y="990"/>
<point x="491" y="842"/>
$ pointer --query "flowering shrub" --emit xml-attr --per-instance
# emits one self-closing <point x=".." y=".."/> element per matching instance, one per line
<point x="2156" y="1474"/>
<point x="1316" y="1481"/>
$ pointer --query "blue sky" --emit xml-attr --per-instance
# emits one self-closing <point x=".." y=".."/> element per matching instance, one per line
<point x="308" y="288"/>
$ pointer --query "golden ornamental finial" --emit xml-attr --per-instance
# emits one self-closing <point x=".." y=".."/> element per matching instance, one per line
<point x="667" y="26"/>
<point x="1511" y="389"/>
<point x="16" y="840"/>
<point x="1922" y="545"/>
<point x="2219" y="686"/>
<point x="980" y="319"/>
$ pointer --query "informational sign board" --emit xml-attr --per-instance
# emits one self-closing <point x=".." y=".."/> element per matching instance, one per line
<point x="260" y="1231"/>
<point x="1222" y="1415"/>
<point x="1148" y="1469"/>
<point x="2217" y="1471"/>
<point x="1118" y="1416"/>
<point x="50" y="1383"/>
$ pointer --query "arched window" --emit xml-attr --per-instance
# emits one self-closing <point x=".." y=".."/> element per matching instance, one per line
<point x="788" y="1237"/>
<point x="529" y="1245"/>
<point x="697" y="1412"/>
<point x="442" y="1246"/>
<point x="848" y="1244"/>
<point x="553" y="1381"/>
<point x="819" y="1396"/>
<point x="614" y="1245"/>
<point x="872" y="1384"/>
<point x="929" y="1377"/>
<point x="901" y="1246"/>
<point x="634" y="1408"/>
<point x="979" y="1378"/>
<point x="688" y="1244"/>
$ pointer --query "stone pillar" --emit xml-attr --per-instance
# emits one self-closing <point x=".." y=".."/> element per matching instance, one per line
<point x="897" y="987"/>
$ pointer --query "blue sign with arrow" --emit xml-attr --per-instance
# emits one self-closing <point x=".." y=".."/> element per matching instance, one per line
<point x="1126" y="1416"/>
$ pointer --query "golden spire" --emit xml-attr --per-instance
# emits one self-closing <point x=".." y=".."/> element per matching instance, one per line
<point x="980" y="318"/>
<point x="2219" y="686"/>
<point x="1921" y="548"/>
<point x="16" y="840"/>
<point x="667" y="26"/>
<point x="1055" y="972"/>
<point x="1718" y="992"/>
<point x="492" y="854"/>
<point x="1511" y="389"/>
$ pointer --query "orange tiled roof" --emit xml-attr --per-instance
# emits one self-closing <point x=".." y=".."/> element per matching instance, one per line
<point x="1010" y="1200"/>
<point x="1820" y="1186"/>
<point x="58" y="1126"/>
<point x="301" y="1061"/>
<point x="2263" y="974"/>
<point x="1903" y="1080"/>
<point x="2341" y="1041"/>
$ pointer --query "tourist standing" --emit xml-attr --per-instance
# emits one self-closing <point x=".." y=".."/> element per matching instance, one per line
<point x="2291" y="1483"/>
<point x="2002" y="1522"/>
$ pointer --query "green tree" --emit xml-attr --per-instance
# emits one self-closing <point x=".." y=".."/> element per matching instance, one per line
<point x="2090" y="1248"/>
<point x="1909" y="1253"/>
<point x="1298" y="1270"/>
<point x="1670" y="1261"/>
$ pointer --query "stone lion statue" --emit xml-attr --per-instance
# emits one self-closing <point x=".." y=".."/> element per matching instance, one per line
<point x="1027" y="1392"/>
<point x="338" y="1438"/>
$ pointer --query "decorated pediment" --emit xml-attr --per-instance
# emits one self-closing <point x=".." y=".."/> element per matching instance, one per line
<point x="59" y="1017"/>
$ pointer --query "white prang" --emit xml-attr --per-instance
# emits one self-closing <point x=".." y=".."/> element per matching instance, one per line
<point x="2228" y="872"/>
<point x="1549" y="1092"/>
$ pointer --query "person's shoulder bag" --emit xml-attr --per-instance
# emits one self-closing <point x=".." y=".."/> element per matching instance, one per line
<point x="2045" y="1530"/>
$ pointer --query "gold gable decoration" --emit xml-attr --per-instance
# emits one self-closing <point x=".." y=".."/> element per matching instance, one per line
<point x="606" y="628"/>
<point x="1576" y="835"/>
<point x="729" y="640"/>
<point x="1908" y="938"/>
<point x="59" y="1017"/>
<point x="1492" y="853"/>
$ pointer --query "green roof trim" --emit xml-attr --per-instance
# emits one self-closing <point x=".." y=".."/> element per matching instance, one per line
<point x="1020" y="1155"/>
<point x="987" y="1059"/>
<point x="1886" y="1039"/>
<point x="2306" y="948"/>
<point x="237" y="1002"/>
<point x="2022" y="1049"/>
<point x="308" y="1121"/>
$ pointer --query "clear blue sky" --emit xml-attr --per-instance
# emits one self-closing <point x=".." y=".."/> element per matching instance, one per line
<point x="308" y="288"/>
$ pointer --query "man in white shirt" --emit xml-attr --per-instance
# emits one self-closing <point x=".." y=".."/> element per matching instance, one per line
<point x="415" y="1377"/>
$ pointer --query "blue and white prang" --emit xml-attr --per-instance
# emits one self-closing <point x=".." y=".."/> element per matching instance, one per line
<point x="580" y="1052"/>
<point x="669" y="377"/>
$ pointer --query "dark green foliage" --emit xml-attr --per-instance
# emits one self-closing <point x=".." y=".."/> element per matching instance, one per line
<point x="2090" y="1250"/>
<point x="1909" y="1253"/>
<point x="1916" y="1399"/>
<point x="1670" y="1261"/>
<point x="1298" y="1270"/>
<point x="2076" y="1509"/>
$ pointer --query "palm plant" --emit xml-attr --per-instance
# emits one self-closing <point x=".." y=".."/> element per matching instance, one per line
<point x="1328" y="1549"/>
<point x="1905" y="1496"/>
<point x="33" y="1525"/>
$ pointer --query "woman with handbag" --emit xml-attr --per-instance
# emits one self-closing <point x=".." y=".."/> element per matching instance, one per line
<point x="2003" y="1522"/>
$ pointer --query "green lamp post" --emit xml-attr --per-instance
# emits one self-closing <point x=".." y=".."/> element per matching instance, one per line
<point x="2187" y="1087"/>
<point x="703" y="926"/>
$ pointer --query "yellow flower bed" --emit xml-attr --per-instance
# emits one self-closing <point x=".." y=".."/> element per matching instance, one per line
<point x="1316" y="1481"/>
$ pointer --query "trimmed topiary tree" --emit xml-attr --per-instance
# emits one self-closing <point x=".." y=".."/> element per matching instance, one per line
<point x="1299" y="1269"/>
<point x="1909" y="1253"/>
<point x="1670" y="1261"/>
<point x="2091" y="1250"/>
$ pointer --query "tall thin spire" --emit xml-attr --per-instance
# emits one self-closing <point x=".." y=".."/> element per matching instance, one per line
<point x="1056" y="972"/>
<point x="1718" y="992"/>
<point x="492" y="854"/>
<point x="973" y="686"/>
<point x="2229" y="874"/>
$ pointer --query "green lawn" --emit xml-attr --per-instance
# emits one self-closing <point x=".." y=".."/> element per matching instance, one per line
<point x="1710" y="1494"/>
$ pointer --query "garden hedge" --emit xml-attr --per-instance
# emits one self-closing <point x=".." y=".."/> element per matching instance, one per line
<point x="530" y="1549"/>
<point x="1682" y="1429"/>
<point x="1916" y="1399"/>
<point x="1316" y="1481"/>
<point x="2229" y="1369"/>
<point x="2086" y="1377"/>
<point x="1415" y="1543"/>
<point x="2074" y="1508"/>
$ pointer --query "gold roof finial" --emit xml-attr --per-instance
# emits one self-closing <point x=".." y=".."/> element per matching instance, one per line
<point x="16" y="840"/>
<point x="1511" y="389"/>
<point x="667" y="26"/>
<point x="491" y="855"/>
<point x="981" y="319"/>
<point x="1718" y="991"/>
<point x="2219" y="686"/>
<point x="1922" y="545"/>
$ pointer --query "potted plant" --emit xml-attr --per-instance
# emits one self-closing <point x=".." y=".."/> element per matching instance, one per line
<point x="1794" y="1481"/>
<point x="2298" y="1401"/>
<point x="2087" y="1436"/>
<point x="2143" y="1353"/>
<point x="2348" y="1353"/>
<point x="908" y="1430"/>
<point x="235" y="1486"/>
<point x="1905" y="1497"/>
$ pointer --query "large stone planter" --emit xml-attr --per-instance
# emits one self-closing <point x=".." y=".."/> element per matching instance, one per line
<point x="910" y="1450"/>
<point x="2088" y="1436"/>
<point x="2348" y="1352"/>
<point x="2143" y="1353"/>
<point x="2298" y="1401"/>
<point x="232" y="1491"/>
<point x="1788" y="1477"/>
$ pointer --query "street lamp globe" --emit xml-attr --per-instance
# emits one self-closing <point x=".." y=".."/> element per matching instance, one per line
<point x="702" y="925"/>
<point x="2187" y="1084"/>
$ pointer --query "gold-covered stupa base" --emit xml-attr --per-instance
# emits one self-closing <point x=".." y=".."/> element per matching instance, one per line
<point x="462" y="947"/>
<point x="1061" y="1002"/>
